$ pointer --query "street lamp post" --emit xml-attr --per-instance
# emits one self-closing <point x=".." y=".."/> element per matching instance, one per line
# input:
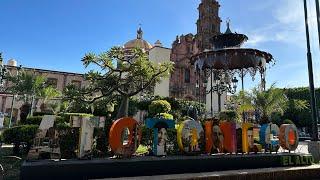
<point x="222" y="83"/>
<point x="311" y="80"/>
<point x="318" y="19"/>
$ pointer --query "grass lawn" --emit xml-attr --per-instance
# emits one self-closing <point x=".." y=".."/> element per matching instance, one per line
<point x="11" y="165"/>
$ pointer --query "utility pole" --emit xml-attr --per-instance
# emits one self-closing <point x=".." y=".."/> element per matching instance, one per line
<point x="318" y="19"/>
<point x="318" y="22"/>
<point x="311" y="80"/>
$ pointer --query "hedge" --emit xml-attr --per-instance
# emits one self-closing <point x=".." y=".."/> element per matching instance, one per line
<point x="19" y="134"/>
<point x="24" y="133"/>
<point x="159" y="106"/>
<point x="41" y="113"/>
<point x="67" y="116"/>
<point x="36" y="120"/>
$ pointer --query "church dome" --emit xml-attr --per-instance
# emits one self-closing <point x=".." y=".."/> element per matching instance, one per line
<point x="139" y="42"/>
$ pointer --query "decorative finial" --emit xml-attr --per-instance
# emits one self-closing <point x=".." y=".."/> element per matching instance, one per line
<point x="228" y="31"/>
<point x="139" y="32"/>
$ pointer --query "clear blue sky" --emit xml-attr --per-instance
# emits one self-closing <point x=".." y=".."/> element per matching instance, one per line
<point x="56" y="34"/>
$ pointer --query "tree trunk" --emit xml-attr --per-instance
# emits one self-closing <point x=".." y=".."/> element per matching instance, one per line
<point x="123" y="108"/>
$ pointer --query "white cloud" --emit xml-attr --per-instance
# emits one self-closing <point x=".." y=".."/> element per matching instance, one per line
<point x="288" y="25"/>
<point x="256" y="39"/>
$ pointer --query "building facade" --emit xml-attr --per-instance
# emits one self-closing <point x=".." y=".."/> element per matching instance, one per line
<point x="56" y="79"/>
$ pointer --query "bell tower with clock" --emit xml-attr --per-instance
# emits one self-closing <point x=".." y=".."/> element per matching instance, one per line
<point x="208" y="24"/>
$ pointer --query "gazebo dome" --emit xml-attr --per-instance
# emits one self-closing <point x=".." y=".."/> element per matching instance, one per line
<point x="139" y="42"/>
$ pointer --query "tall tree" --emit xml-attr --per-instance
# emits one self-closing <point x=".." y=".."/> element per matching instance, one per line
<point x="121" y="73"/>
<point x="270" y="101"/>
<point x="28" y="86"/>
<point x="267" y="102"/>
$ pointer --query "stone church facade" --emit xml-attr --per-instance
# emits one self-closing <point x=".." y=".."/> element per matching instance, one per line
<point x="184" y="83"/>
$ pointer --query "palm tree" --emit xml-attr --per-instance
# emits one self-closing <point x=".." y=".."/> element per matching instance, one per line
<point x="268" y="102"/>
<point x="47" y="94"/>
<point x="28" y="86"/>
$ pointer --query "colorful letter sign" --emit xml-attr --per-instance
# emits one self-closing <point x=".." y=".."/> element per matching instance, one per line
<point x="45" y="131"/>
<point x="214" y="138"/>
<point x="247" y="137"/>
<point x="124" y="136"/>
<point x="86" y="135"/>
<point x="159" y="127"/>
<point x="289" y="139"/>
<point x="190" y="136"/>
<point x="208" y="131"/>
<point x="229" y="131"/>
<point x="269" y="136"/>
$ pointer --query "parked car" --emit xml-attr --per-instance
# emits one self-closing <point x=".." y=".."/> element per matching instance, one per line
<point x="304" y="137"/>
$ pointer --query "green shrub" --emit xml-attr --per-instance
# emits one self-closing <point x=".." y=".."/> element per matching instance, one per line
<point x="146" y="136"/>
<point x="301" y="118"/>
<point x="159" y="106"/>
<point x="276" y="118"/>
<point x="68" y="140"/>
<point x="287" y="121"/>
<point x="66" y="116"/>
<point x="24" y="133"/>
<point x="166" y="116"/>
<point x="184" y="106"/>
<point x="19" y="134"/>
<point x="35" y="120"/>
<point x="100" y="148"/>
<point x="228" y="115"/>
<point x="179" y="108"/>
<point x="61" y="120"/>
<point x="172" y="142"/>
<point x="42" y="113"/>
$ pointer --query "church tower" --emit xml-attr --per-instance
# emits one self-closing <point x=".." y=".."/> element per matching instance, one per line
<point x="208" y="24"/>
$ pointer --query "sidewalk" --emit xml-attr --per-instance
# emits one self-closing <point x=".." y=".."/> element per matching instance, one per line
<point x="307" y="172"/>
